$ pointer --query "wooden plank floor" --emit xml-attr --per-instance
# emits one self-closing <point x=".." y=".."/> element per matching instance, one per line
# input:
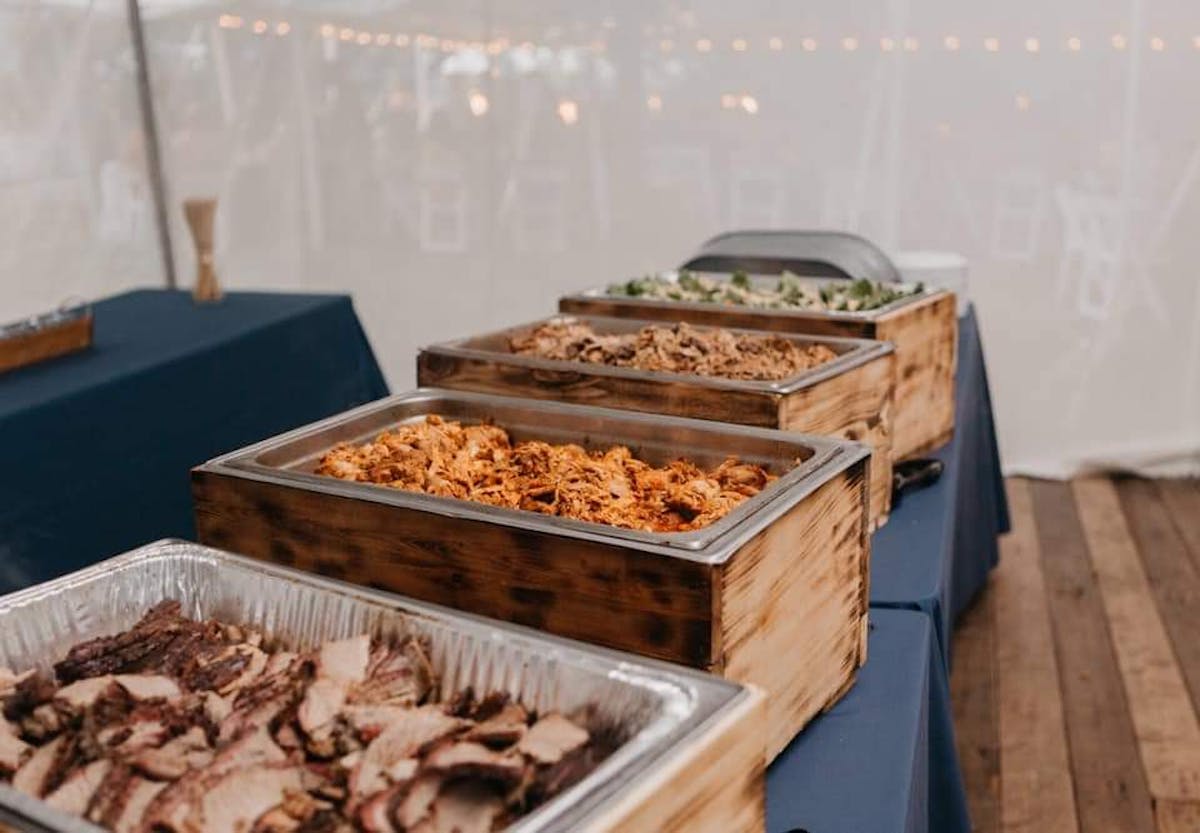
<point x="1076" y="680"/>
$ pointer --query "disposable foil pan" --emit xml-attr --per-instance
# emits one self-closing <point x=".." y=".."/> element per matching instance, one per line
<point x="494" y="347"/>
<point x="658" y="707"/>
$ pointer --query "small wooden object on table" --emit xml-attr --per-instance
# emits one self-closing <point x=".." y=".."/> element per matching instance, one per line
<point x="201" y="216"/>
<point x="45" y="337"/>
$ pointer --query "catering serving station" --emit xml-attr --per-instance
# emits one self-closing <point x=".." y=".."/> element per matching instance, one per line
<point x="596" y="573"/>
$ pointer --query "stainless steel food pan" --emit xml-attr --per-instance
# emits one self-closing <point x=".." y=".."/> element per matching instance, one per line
<point x="802" y="462"/>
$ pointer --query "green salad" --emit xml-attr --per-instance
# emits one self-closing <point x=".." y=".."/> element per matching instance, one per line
<point x="790" y="292"/>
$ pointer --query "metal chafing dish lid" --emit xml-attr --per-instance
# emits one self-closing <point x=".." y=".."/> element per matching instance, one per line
<point x="824" y="254"/>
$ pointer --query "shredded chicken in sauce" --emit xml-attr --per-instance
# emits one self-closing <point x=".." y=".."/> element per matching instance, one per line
<point x="481" y="463"/>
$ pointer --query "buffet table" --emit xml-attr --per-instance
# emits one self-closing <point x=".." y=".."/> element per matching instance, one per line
<point x="883" y="759"/>
<point x="97" y="445"/>
<point x="937" y="549"/>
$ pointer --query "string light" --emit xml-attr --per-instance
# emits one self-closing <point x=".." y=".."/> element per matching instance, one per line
<point x="704" y="45"/>
<point x="1196" y="41"/>
<point x="809" y="45"/>
<point x="775" y="44"/>
<point x="400" y="39"/>
<point x="328" y="30"/>
<point x="740" y="45"/>
<point x="1157" y="44"/>
<point x="850" y="44"/>
<point x="282" y="28"/>
<point x="750" y="104"/>
<point x="728" y="101"/>
<point x="1032" y="45"/>
<point x="229" y="21"/>
<point x="568" y="111"/>
<point x="887" y="44"/>
<point x="363" y="38"/>
<point x="666" y="44"/>
<point x="1074" y="44"/>
<point x="654" y="104"/>
<point x="911" y="45"/>
<point x="1022" y="102"/>
<point x="426" y="41"/>
<point x="260" y="26"/>
<point x="346" y="34"/>
<point x="952" y="43"/>
<point x="991" y="44"/>
<point x="1119" y="42"/>
<point x="478" y="102"/>
<point x="383" y="39"/>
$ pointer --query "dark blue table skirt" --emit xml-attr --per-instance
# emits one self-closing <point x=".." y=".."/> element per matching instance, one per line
<point x="883" y="759"/>
<point x="95" y="448"/>
<point x="936" y="551"/>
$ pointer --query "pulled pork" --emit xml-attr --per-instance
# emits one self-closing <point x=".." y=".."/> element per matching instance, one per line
<point x="481" y="463"/>
<point x="190" y="727"/>
<point x="674" y="349"/>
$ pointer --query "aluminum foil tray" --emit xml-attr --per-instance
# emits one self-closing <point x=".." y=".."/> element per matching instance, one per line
<point x="660" y="707"/>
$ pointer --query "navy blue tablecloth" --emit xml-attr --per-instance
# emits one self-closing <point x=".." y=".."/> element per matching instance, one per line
<point x="935" y="552"/>
<point x="883" y="759"/>
<point x="95" y="448"/>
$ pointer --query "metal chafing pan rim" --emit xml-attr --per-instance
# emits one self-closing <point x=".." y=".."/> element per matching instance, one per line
<point x="857" y="352"/>
<point x="713" y="544"/>
<point x="708" y="698"/>
<point x="850" y="315"/>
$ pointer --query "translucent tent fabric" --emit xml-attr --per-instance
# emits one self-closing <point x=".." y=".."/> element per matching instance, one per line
<point x="76" y="212"/>
<point x="457" y="166"/>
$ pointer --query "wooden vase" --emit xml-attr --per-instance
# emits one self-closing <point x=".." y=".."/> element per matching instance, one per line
<point x="201" y="215"/>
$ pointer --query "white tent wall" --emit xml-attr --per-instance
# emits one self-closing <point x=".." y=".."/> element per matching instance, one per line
<point x="76" y="213"/>
<point x="458" y="165"/>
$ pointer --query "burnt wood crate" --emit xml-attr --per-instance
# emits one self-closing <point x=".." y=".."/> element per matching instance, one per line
<point x="46" y="338"/>
<point x="774" y="594"/>
<point x="924" y="328"/>
<point x="849" y="397"/>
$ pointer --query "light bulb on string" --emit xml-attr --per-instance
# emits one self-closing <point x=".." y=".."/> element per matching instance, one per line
<point x="749" y="104"/>
<point x="887" y="44"/>
<point x="952" y="43"/>
<point x="478" y="102"/>
<point x="568" y="111"/>
<point x="809" y="44"/>
<point x="991" y="44"/>
<point x="704" y="45"/>
<point x="1074" y="44"/>
<point x="654" y="104"/>
<point x="775" y="44"/>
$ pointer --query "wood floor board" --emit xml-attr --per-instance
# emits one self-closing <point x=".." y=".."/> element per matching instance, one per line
<point x="1177" y="816"/>
<point x="1182" y="501"/>
<point x="1174" y="577"/>
<point x="1168" y="732"/>
<point x="1111" y="793"/>
<point x="1036" y="787"/>
<point x="973" y="698"/>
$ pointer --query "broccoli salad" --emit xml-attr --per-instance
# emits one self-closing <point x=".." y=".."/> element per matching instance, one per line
<point x="791" y="291"/>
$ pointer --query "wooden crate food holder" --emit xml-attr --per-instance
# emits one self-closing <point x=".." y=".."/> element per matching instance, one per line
<point x="716" y="784"/>
<point x="849" y="397"/>
<point x="48" y="338"/>
<point x="774" y="594"/>
<point x="924" y="329"/>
